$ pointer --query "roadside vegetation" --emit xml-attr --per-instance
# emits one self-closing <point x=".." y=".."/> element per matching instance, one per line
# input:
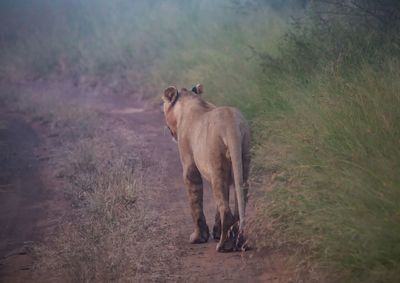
<point x="331" y="143"/>
<point x="318" y="80"/>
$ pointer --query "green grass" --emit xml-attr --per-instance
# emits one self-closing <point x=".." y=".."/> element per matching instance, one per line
<point x="339" y="152"/>
<point x="334" y="153"/>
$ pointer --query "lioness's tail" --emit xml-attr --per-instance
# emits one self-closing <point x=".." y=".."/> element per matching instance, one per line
<point x="237" y="144"/>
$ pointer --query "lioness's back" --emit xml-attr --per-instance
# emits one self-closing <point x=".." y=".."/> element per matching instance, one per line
<point x="225" y="117"/>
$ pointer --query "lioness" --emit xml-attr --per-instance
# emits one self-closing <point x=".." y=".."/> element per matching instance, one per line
<point x="213" y="145"/>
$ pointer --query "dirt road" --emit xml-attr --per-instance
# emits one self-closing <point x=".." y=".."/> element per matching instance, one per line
<point x="24" y="207"/>
<point x="201" y="262"/>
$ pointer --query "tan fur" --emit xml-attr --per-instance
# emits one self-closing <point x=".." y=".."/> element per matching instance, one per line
<point x="213" y="145"/>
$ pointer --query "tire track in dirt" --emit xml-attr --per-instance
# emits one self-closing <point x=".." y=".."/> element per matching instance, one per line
<point x="22" y="202"/>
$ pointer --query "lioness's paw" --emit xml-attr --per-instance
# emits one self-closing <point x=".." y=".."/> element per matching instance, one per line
<point x="225" y="247"/>
<point x="197" y="238"/>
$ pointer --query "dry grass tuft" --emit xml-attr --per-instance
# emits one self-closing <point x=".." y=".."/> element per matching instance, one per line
<point x="111" y="234"/>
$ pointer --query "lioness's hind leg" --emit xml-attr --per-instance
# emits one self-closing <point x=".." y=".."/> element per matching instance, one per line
<point x="216" y="233"/>
<point x="225" y="243"/>
<point x="221" y="193"/>
<point x="194" y="187"/>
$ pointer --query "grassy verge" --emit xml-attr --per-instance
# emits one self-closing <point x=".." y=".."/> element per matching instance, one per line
<point x="332" y="198"/>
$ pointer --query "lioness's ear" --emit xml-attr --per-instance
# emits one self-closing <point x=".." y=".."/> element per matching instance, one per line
<point x="198" y="89"/>
<point x="170" y="93"/>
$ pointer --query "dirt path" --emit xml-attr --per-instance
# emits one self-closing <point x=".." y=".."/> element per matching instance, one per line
<point x="201" y="263"/>
<point x="25" y="207"/>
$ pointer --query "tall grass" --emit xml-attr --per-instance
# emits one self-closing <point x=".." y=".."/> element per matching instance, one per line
<point x="333" y="198"/>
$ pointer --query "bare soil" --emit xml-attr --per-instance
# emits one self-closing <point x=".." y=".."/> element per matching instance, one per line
<point x="30" y="203"/>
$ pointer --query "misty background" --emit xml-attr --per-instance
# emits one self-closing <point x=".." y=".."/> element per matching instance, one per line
<point x="155" y="42"/>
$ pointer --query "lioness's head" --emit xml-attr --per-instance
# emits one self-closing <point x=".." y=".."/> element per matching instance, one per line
<point x="171" y="98"/>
